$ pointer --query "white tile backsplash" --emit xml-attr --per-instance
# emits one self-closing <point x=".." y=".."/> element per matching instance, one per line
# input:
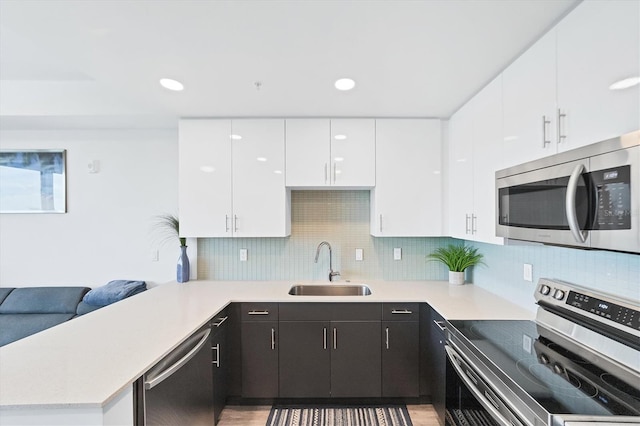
<point x="342" y="219"/>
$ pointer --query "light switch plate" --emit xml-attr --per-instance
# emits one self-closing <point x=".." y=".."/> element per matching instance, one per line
<point x="397" y="253"/>
<point x="243" y="255"/>
<point x="359" y="254"/>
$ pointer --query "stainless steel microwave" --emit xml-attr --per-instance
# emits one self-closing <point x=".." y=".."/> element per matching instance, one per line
<point x="588" y="197"/>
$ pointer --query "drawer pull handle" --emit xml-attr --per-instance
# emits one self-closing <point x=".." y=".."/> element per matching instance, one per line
<point x="258" y="312"/>
<point x="324" y="337"/>
<point x="221" y="320"/>
<point x="402" y="311"/>
<point x="335" y="338"/>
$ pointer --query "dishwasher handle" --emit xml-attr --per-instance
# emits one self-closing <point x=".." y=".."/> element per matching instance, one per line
<point x="154" y="378"/>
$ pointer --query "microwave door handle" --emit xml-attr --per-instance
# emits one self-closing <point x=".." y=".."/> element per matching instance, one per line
<point x="570" y="205"/>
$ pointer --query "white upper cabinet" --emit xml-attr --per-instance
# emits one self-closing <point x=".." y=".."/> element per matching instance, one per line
<point x="307" y="152"/>
<point x="353" y="152"/>
<point x="487" y="158"/>
<point x="231" y="179"/>
<point x="598" y="45"/>
<point x="330" y="153"/>
<point x="529" y="103"/>
<point x="260" y="198"/>
<point x="461" y="171"/>
<point x="475" y="154"/>
<point x="557" y="95"/>
<point x="406" y="201"/>
<point x="204" y="185"/>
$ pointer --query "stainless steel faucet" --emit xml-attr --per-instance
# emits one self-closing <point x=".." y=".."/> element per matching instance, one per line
<point x="332" y="273"/>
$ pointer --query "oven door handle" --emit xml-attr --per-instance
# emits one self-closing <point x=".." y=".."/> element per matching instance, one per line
<point x="488" y="405"/>
<point x="570" y="205"/>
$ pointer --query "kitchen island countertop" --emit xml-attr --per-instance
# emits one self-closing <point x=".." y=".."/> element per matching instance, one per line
<point x="88" y="361"/>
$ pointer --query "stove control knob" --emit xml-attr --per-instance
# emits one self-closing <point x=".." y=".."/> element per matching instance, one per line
<point x="544" y="359"/>
<point x="559" y="294"/>
<point x="558" y="369"/>
<point x="545" y="289"/>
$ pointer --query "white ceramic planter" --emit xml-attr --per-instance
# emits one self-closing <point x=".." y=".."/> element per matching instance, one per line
<point x="456" y="278"/>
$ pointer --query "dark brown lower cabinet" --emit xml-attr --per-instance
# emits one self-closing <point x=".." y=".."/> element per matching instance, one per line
<point x="438" y="365"/>
<point x="355" y="359"/>
<point x="220" y="364"/>
<point x="259" y="359"/>
<point x="304" y="359"/>
<point x="400" y="359"/>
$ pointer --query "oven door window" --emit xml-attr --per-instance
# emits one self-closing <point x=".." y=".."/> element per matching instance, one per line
<point x="541" y="205"/>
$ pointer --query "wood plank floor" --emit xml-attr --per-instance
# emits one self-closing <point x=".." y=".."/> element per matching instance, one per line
<point x="242" y="415"/>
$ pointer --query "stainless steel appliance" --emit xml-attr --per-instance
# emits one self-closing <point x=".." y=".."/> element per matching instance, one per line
<point x="588" y="197"/>
<point x="178" y="390"/>
<point x="578" y="364"/>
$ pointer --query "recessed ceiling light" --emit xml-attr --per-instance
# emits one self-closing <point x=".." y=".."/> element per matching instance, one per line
<point x="345" y="84"/>
<point x="171" y="84"/>
<point x="208" y="169"/>
<point x="235" y="137"/>
<point x="340" y="137"/>
<point x="261" y="159"/>
<point x="338" y="159"/>
<point x="625" y="83"/>
<point x="278" y="172"/>
<point x="510" y="138"/>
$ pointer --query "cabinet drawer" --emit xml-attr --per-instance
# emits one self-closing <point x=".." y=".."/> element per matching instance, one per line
<point x="259" y="312"/>
<point x="305" y="311"/>
<point x="356" y="311"/>
<point x="401" y="311"/>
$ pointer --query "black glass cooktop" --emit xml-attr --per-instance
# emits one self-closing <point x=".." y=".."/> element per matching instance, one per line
<point x="559" y="380"/>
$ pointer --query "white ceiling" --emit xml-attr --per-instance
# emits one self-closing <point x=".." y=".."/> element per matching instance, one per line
<point x="96" y="63"/>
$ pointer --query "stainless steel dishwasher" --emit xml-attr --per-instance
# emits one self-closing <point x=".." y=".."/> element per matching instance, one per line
<point x="179" y="388"/>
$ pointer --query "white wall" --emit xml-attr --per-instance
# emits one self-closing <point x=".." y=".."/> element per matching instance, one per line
<point x="107" y="232"/>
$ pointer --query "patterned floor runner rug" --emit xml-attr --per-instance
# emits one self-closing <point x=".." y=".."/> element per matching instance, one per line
<point x="392" y="415"/>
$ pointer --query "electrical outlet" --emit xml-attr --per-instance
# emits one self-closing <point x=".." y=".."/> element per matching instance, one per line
<point x="359" y="254"/>
<point x="528" y="272"/>
<point x="526" y="343"/>
<point x="397" y="253"/>
<point x="154" y="255"/>
<point x="243" y="255"/>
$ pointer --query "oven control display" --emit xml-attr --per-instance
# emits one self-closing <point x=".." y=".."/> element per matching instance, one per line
<point x="604" y="309"/>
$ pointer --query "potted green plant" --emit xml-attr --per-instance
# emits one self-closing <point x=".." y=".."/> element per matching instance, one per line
<point x="170" y="225"/>
<point x="458" y="259"/>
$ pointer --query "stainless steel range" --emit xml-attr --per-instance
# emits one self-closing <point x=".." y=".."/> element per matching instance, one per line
<point x="578" y="364"/>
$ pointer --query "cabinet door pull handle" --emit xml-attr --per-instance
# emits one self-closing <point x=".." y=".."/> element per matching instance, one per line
<point x="387" y="337"/>
<point x="226" y="223"/>
<point x="474" y="219"/>
<point x="545" y="122"/>
<point x="326" y="175"/>
<point x="335" y="172"/>
<point x="324" y="337"/>
<point x="235" y="225"/>
<point x="216" y="362"/>
<point x="561" y="115"/>
<point x="335" y="338"/>
<point x="380" y="222"/>
<point x="440" y="325"/>
<point x="401" y="311"/>
<point x="221" y="320"/>
<point x="466" y="224"/>
<point x="273" y="339"/>
<point x="258" y="312"/>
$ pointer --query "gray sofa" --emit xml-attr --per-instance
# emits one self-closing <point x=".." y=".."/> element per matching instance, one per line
<point x="28" y="310"/>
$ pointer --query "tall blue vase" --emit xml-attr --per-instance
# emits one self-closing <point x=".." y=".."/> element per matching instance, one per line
<point x="183" y="266"/>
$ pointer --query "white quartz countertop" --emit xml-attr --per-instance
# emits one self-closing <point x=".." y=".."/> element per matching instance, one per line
<point x="86" y="362"/>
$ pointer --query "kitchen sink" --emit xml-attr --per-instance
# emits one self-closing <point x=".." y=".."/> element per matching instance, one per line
<point x="329" y="290"/>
